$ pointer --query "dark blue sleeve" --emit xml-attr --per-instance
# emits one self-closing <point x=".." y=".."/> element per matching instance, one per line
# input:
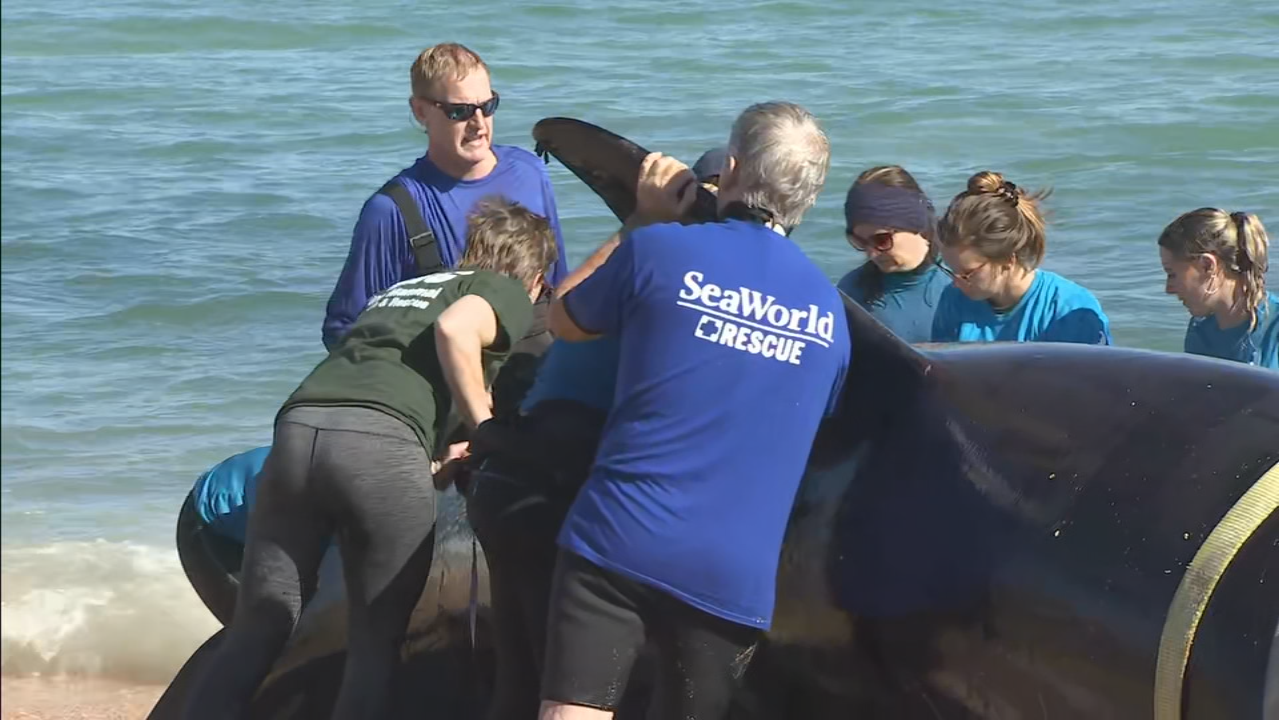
<point x="598" y="304"/>
<point x="376" y="261"/>
<point x="560" y="269"/>
<point x="1081" y="325"/>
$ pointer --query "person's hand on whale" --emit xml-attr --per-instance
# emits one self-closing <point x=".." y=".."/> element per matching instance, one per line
<point x="445" y="470"/>
<point x="664" y="192"/>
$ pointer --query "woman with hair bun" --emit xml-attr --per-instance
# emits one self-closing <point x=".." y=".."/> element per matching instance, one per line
<point x="1216" y="264"/>
<point x="993" y="239"/>
<point x="888" y="217"/>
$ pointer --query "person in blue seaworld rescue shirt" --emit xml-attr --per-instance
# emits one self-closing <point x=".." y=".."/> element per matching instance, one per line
<point x="1216" y="264"/>
<point x="586" y="371"/>
<point x="734" y="346"/>
<point x="453" y="99"/>
<point x="993" y="240"/>
<point x="888" y="217"/>
<point x="534" y="462"/>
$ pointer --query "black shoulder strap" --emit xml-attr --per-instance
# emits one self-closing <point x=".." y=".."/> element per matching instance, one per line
<point x="426" y="250"/>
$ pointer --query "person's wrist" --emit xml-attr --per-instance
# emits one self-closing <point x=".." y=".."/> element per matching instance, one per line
<point x="638" y="219"/>
<point x="656" y="216"/>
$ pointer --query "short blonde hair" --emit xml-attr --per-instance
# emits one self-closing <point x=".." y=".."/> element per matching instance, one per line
<point x="508" y="238"/>
<point x="451" y="61"/>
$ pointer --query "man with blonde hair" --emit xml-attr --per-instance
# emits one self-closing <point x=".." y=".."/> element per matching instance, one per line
<point x="416" y="223"/>
<point x="351" y="459"/>
<point x="733" y="346"/>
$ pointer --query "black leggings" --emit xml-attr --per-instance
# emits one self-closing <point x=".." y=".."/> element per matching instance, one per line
<point x="365" y="476"/>
<point x="516" y="504"/>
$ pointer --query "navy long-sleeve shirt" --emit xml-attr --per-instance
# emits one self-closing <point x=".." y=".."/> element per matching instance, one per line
<point x="380" y="255"/>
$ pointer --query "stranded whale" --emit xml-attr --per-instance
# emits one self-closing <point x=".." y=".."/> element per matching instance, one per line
<point x="984" y="531"/>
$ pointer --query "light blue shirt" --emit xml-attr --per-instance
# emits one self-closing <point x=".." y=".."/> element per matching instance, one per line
<point x="1053" y="309"/>
<point x="581" y="371"/>
<point x="1259" y="347"/>
<point x="225" y="491"/>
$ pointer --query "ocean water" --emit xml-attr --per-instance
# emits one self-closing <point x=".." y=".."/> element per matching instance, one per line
<point x="179" y="183"/>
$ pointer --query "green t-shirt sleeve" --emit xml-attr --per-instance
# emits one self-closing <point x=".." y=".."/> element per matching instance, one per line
<point x="510" y="303"/>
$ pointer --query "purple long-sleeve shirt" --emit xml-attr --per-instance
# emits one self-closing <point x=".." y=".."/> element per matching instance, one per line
<point x="380" y="255"/>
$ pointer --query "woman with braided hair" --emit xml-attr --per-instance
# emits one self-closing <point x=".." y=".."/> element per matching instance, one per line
<point x="992" y="240"/>
<point x="1216" y="264"/>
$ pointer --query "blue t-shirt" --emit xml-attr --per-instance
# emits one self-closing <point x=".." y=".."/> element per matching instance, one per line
<point x="582" y="371"/>
<point x="733" y="346"/>
<point x="1054" y="309"/>
<point x="1259" y="347"/>
<point x="380" y="254"/>
<point x="225" y="491"/>
<point x="908" y="302"/>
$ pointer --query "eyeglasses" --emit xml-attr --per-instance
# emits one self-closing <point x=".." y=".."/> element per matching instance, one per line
<point x="965" y="276"/>
<point x="459" y="112"/>
<point x="881" y="241"/>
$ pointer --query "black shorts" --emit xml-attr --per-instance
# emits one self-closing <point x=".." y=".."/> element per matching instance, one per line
<point x="598" y="623"/>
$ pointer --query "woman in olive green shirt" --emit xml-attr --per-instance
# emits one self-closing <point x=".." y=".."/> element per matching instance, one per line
<point x="351" y="458"/>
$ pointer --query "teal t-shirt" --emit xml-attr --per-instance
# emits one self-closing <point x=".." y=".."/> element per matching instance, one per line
<point x="907" y="304"/>
<point x="1259" y="347"/>
<point x="1054" y="309"/>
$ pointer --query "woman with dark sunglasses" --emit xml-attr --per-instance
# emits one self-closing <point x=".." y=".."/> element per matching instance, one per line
<point x="888" y="217"/>
<point x="993" y="240"/>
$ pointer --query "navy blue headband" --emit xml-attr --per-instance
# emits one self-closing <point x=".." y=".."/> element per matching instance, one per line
<point x="886" y="206"/>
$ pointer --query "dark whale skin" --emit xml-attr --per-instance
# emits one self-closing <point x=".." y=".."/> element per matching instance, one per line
<point x="983" y="531"/>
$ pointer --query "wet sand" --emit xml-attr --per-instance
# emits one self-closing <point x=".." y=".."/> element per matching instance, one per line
<point x="73" y="698"/>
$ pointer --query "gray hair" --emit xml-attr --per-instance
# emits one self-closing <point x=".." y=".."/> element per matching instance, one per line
<point x="782" y="157"/>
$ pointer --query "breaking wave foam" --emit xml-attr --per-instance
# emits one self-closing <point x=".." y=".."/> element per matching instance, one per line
<point x="118" y="610"/>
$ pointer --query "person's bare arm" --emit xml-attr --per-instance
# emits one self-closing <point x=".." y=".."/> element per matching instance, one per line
<point x="562" y="325"/>
<point x="461" y="332"/>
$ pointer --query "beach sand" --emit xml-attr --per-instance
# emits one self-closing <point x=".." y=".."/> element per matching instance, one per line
<point x="73" y="698"/>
